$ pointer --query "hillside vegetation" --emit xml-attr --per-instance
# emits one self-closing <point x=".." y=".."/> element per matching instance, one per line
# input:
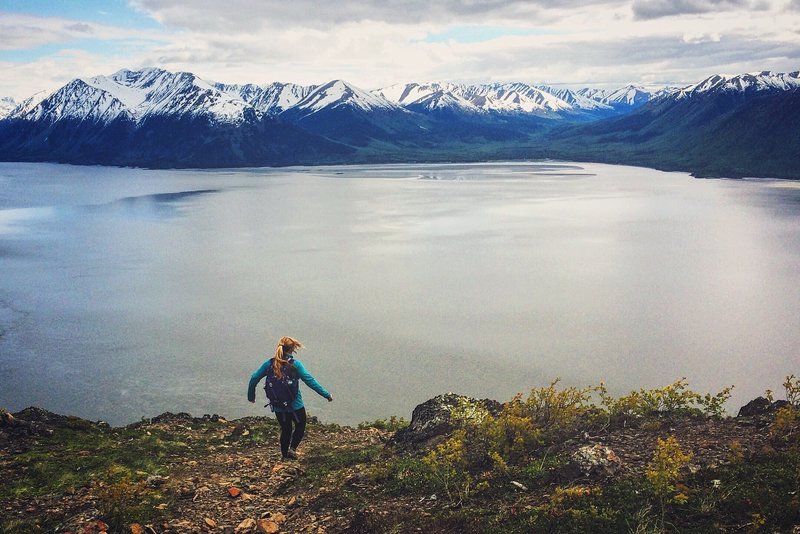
<point x="559" y="459"/>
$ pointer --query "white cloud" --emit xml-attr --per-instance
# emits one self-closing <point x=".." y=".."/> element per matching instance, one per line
<point x="701" y="37"/>
<point x="374" y="43"/>
<point x="246" y="15"/>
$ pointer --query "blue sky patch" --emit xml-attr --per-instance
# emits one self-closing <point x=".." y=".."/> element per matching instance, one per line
<point x="111" y="12"/>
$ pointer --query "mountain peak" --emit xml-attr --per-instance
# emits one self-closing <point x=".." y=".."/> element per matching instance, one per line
<point x="741" y="83"/>
<point x="339" y="93"/>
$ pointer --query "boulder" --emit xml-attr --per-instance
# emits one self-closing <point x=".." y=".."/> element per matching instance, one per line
<point x="30" y="422"/>
<point x="431" y="422"/>
<point x="760" y="406"/>
<point x="592" y="461"/>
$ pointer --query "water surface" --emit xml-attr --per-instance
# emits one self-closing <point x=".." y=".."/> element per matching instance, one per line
<point x="125" y="293"/>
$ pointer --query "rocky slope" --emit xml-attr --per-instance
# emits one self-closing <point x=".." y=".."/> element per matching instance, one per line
<point x="177" y="473"/>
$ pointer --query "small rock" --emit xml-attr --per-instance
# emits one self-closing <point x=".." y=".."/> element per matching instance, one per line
<point x="95" y="527"/>
<point x="267" y="527"/>
<point x="248" y="525"/>
<point x="155" y="481"/>
<point x="240" y="430"/>
<point x="234" y="492"/>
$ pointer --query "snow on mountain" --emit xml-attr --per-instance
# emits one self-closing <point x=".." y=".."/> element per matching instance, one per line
<point x="630" y="96"/>
<point x="445" y="100"/>
<point x="135" y="95"/>
<point x="743" y="83"/>
<point x="575" y="99"/>
<point x="337" y="94"/>
<point x="28" y="104"/>
<point x="428" y="96"/>
<point x="514" y="98"/>
<point x="502" y="98"/>
<point x="156" y="92"/>
<point x="271" y="99"/>
<point x="592" y="93"/>
<point x="7" y="105"/>
<point x="76" y="100"/>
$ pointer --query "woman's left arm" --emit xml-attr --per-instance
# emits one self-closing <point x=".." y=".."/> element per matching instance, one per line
<point x="306" y="377"/>
<point x="255" y="378"/>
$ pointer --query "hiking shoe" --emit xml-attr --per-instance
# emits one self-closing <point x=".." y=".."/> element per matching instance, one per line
<point x="292" y="455"/>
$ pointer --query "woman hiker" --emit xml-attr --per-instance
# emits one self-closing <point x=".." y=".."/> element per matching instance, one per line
<point x="282" y="371"/>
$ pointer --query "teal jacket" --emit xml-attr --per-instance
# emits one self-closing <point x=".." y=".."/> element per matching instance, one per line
<point x="304" y="375"/>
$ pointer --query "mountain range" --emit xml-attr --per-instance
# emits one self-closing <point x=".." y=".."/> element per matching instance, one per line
<point x="745" y="125"/>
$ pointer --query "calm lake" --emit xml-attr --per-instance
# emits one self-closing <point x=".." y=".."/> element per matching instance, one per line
<point x="125" y="293"/>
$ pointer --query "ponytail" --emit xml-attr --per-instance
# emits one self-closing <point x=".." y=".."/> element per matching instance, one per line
<point x="289" y="345"/>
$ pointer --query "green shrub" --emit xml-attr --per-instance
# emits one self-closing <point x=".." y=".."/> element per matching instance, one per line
<point x="122" y="499"/>
<point x="792" y="387"/>
<point x="448" y="468"/>
<point x="393" y="424"/>
<point x="674" y="398"/>
<point x="665" y="472"/>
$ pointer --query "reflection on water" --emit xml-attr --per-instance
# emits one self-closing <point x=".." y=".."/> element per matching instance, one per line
<point x="157" y="205"/>
<point x="125" y="293"/>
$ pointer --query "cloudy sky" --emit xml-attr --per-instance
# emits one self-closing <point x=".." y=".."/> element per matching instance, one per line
<point x="374" y="43"/>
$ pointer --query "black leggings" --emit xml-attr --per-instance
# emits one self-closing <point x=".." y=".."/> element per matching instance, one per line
<point x="290" y="436"/>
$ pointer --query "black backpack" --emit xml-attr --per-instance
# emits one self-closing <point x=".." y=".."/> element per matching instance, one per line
<point x="281" y="392"/>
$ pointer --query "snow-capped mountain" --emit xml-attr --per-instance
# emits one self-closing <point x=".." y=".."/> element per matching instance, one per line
<point x="338" y="110"/>
<point x="157" y="92"/>
<point x="28" y="104"/>
<point x="630" y="96"/>
<point x="575" y="99"/>
<point x="339" y="94"/>
<point x="152" y="117"/>
<point x="492" y="98"/>
<point x="728" y="126"/>
<point x="77" y="100"/>
<point x="429" y="96"/>
<point x="135" y="96"/>
<point x="271" y="99"/>
<point x="765" y="81"/>
<point x="542" y="100"/>
<point x="625" y="98"/>
<point x="151" y="92"/>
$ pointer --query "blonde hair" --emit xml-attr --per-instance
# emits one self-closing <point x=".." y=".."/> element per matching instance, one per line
<point x="285" y="345"/>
